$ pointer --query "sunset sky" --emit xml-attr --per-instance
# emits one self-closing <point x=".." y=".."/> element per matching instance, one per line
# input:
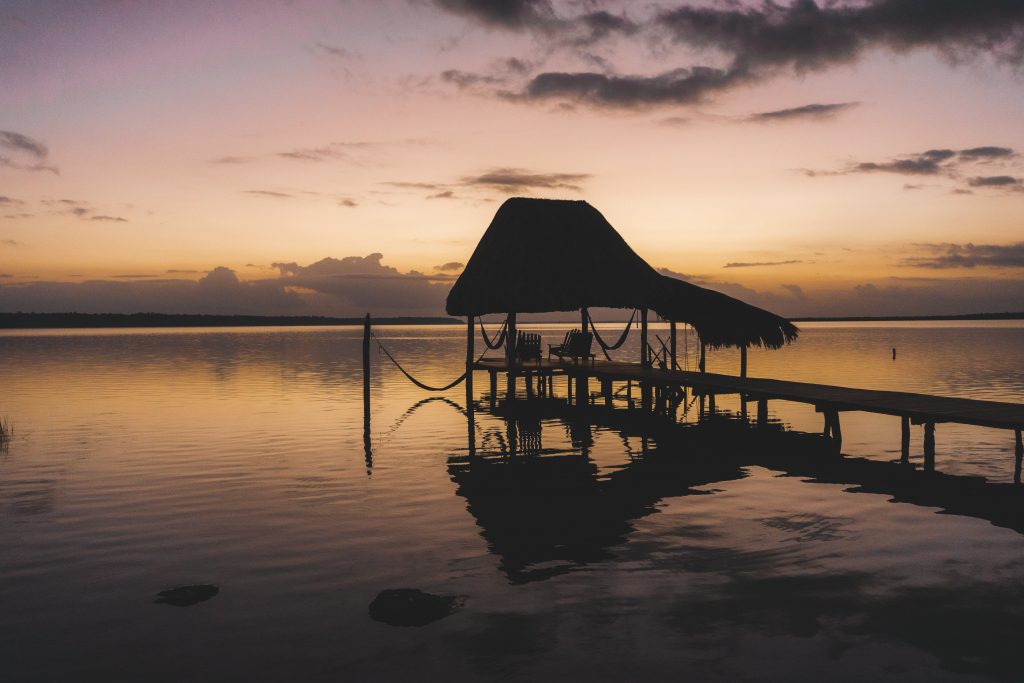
<point x="829" y="158"/>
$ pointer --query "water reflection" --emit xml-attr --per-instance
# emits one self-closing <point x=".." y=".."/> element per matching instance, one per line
<point x="548" y="512"/>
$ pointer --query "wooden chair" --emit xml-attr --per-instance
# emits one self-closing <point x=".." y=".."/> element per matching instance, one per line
<point x="581" y="345"/>
<point x="528" y="347"/>
<point x="562" y="349"/>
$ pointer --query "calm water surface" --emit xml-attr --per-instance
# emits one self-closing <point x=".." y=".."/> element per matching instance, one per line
<point x="145" y="460"/>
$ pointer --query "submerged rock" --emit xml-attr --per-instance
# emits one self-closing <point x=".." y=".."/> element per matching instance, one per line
<point x="412" y="607"/>
<point x="184" y="596"/>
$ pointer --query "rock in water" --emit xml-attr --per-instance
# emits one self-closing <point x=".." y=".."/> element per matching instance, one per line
<point x="411" y="607"/>
<point x="183" y="596"/>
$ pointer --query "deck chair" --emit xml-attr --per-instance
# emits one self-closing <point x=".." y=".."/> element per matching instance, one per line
<point x="528" y="347"/>
<point x="581" y="345"/>
<point x="562" y="349"/>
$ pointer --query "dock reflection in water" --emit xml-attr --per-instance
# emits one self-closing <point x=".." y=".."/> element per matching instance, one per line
<point x="548" y="512"/>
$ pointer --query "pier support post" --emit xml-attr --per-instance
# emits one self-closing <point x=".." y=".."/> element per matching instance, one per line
<point x="703" y="355"/>
<point x="470" y="420"/>
<point x="1018" y="456"/>
<point x="510" y="355"/>
<point x="929" y="446"/>
<point x="672" y="345"/>
<point x="837" y="432"/>
<point x="905" y="440"/>
<point x="645" y="358"/>
<point x="470" y="337"/>
<point x="762" y="412"/>
<point x="494" y="386"/>
<point x="367" y="446"/>
<point x="743" y="361"/>
<point x="606" y="391"/>
<point x="711" y="404"/>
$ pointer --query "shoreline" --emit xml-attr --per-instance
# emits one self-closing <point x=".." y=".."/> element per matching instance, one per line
<point x="29" y="321"/>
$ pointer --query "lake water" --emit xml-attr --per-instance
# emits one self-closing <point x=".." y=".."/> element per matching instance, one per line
<point x="152" y="459"/>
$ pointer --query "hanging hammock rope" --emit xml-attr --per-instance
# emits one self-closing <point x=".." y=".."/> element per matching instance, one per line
<point x="412" y="379"/>
<point x="622" y="339"/>
<point x="499" y="335"/>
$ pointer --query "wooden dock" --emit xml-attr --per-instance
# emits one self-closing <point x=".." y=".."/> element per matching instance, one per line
<point x="912" y="408"/>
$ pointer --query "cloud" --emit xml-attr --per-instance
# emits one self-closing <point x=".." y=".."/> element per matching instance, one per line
<point x="804" y="36"/>
<point x="969" y="255"/>
<point x="10" y="243"/>
<point x="233" y="160"/>
<point x="933" y="162"/>
<point x="330" y="152"/>
<point x="348" y="203"/>
<point x="994" y="181"/>
<point x="345" y="287"/>
<point x="10" y="201"/>
<point x="807" y="111"/>
<point x="272" y="194"/>
<point x="752" y="264"/>
<point x="508" y="14"/>
<point x="467" y="79"/>
<point x="518" y="180"/>
<point x="451" y="266"/>
<point x="333" y="50"/>
<point x="24" y="153"/>
<point x="446" y="194"/>
<point x="986" y="153"/>
<point x="678" y="86"/>
<point x="110" y="219"/>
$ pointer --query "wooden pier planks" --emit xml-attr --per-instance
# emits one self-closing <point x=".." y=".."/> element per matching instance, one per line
<point x="919" y="408"/>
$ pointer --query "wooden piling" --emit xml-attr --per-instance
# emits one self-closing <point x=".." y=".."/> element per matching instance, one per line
<point x="367" y="445"/>
<point x="762" y="412"/>
<point x="1018" y="452"/>
<point x="743" y="361"/>
<point x="606" y="391"/>
<point x="929" y="446"/>
<point x="583" y="379"/>
<point x="470" y="338"/>
<point x="510" y="355"/>
<point x="905" y="440"/>
<point x="645" y="357"/>
<point x="703" y="354"/>
<point x="494" y="386"/>
<point x="672" y="345"/>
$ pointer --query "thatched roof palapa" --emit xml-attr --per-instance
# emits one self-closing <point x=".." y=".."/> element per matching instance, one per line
<point x="543" y="255"/>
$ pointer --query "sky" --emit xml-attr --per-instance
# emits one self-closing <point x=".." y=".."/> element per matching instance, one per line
<point x="332" y="157"/>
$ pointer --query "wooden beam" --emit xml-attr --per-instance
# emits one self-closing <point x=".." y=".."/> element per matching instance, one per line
<point x="510" y="355"/>
<point x="929" y="446"/>
<point x="1018" y="456"/>
<point x="645" y="357"/>
<point x="672" y="345"/>
<point x="470" y="338"/>
<point x="905" y="439"/>
<point x="367" y="446"/>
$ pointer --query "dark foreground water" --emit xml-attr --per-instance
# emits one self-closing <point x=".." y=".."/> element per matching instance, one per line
<point x="147" y="460"/>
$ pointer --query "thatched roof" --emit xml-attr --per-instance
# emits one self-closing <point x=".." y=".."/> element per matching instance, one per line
<point x="719" y="319"/>
<point x="542" y="255"/>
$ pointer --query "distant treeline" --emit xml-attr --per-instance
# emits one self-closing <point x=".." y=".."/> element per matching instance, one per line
<point x="61" y="320"/>
<point x="966" y="316"/>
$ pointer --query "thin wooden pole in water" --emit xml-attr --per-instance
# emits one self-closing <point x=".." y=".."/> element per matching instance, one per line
<point x="703" y="354"/>
<point x="367" y="446"/>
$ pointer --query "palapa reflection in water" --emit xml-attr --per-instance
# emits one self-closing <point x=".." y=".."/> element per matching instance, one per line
<point x="548" y="511"/>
